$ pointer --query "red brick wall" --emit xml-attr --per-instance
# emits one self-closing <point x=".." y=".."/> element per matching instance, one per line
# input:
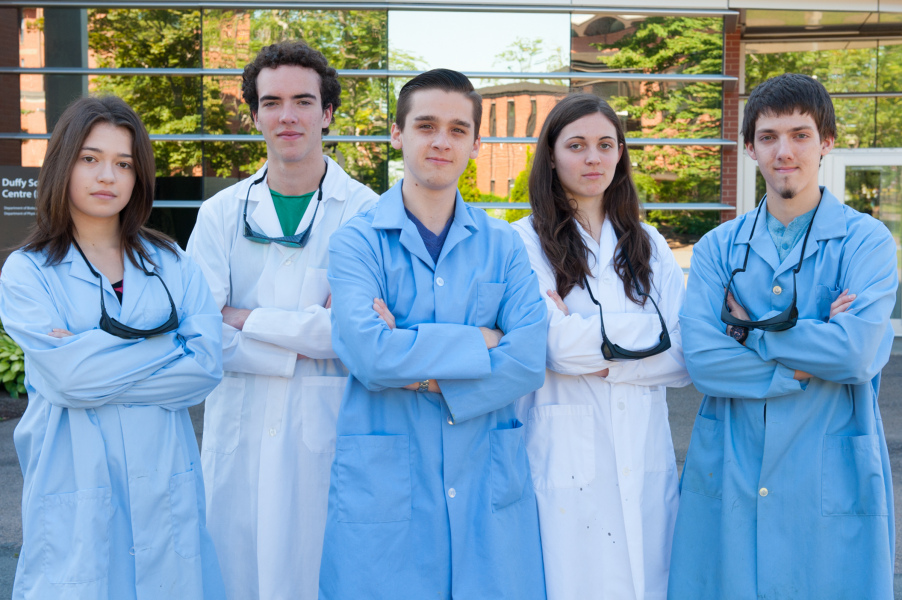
<point x="730" y="154"/>
<point x="10" y="117"/>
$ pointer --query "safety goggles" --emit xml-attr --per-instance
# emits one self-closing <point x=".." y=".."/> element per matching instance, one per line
<point x="298" y="240"/>
<point x="120" y="330"/>
<point x="612" y="351"/>
<point x="786" y="319"/>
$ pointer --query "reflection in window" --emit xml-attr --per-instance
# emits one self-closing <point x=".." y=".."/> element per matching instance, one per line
<point x="493" y="124"/>
<point x="840" y="68"/>
<point x="511" y="117"/>
<point x="637" y="43"/>
<point x="518" y="42"/>
<point x="531" y="122"/>
<point x="177" y="223"/>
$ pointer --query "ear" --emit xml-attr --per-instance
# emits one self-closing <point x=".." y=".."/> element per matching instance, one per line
<point x="827" y="145"/>
<point x="750" y="150"/>
<point x="396" y="137"/>
<point x="476" y="145"/>
<point x="619" y="152"/>
<point x="327" y="116"/>
<point x="256" y="123"/>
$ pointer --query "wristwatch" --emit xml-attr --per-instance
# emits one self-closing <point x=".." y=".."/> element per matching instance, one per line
<point x="424" y="386"/>
<point x="737" y="333"/>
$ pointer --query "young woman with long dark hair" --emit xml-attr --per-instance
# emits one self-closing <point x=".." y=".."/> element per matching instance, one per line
<point x="120" y="336"/>
<point x="597" y="433"/>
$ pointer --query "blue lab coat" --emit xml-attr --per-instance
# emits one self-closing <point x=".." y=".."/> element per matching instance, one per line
<point x="431" y="494"/>
<point x="113" y="499"/>
<point x="797" y="502"/>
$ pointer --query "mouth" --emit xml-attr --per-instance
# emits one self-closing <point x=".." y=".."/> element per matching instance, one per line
<point x="593" y="175"/>
<point x="785" y="170"/>
<point x="438" y="161"/>
<point x="289" y="135"/>
<point x="104" y="195"/>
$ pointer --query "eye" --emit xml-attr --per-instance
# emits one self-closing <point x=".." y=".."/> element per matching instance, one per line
<point x="425" y="126"/>
<point x="124" y="165"/>
<point x="606" y="146"/>
<point x="89" y="159"/>
<point x="575" y="146"/>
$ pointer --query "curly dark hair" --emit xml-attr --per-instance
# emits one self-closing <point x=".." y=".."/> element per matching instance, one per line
<point x="293" y="53"/>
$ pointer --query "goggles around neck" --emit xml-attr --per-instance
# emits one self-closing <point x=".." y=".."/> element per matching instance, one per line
<point x="114" y="327"/>
<point x="786" y="319"/>
<point x="612" y="351"/>
<point x="298" y="240"/>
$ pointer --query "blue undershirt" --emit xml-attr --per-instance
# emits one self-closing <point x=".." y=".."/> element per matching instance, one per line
<point x="433" y="242"/>
<point x="787" y="236"/>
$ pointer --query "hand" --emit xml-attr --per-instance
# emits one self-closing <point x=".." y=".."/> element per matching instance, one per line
<point x="558" y="302"/>
<point x="235" y="317"/>
<point x="800" y="375"/>
<point x="382" y="310"/>
<point x="736" y="309"/>
<point x="602" y="373"/>
<point x="328" y="303"/>
<point x="492" y="337"/>
<point x="433" y="387"/>
<point x="842" y="303"/>
<point x="60" y="333"/>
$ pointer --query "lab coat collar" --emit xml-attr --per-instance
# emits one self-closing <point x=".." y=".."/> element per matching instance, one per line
<point x="261" y="212"/>
<point x="390" y="214"/>
<point x="605" y="247"/>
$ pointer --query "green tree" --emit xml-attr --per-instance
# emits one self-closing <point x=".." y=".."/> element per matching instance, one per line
<point x="467" y="183"/>
<point x="520" y="191"/>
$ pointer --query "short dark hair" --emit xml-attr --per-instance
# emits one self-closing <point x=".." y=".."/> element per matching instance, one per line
<point x="439" y="79"/>
<point x="785" y="94"/>
<point x="298" y="54"/>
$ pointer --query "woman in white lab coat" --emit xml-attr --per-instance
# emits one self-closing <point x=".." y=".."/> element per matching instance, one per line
<point x="598" y="437"/>
<point x="121" y="336"/>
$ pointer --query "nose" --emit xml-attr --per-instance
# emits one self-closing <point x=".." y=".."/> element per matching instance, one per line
<point x="107" y="172"/>
<point x="289" y="114"/>
<point x="784" y="148"/>
<point x="440" y="140"/>
<point x="593" y="156"/>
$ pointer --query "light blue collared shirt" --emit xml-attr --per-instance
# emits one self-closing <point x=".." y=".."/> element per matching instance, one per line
<point x="787" y="236"/>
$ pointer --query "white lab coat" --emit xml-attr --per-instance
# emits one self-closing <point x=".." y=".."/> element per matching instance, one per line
<point x="269" y="428"/>
<point x="600" y="448"/>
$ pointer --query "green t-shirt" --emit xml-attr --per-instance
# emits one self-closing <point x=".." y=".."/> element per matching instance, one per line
<point x="290" y="210"/>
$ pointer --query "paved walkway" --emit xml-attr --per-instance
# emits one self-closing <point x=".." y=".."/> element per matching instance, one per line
<point x="683" y="405"/>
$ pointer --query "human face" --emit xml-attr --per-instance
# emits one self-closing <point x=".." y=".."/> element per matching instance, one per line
<point x="788" y="149"/>
<point x="103" y="176"/>
<point x="438" y="139"/>
<point x="290" y="114"/>
<point x="585" y="157"/>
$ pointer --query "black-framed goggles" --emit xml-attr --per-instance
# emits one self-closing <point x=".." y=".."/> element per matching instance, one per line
<point x="298" y="240"/>
<point x="120" y="330"/>
<point x="612" y="351"/>
<point x="786" y="319"/>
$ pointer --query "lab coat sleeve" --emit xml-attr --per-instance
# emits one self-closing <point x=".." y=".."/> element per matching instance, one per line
<point x="851" y="348"/>
<point x="94" y="368"/>
<point x="667" y="368"/>
<point x="211" y="248"/>
<point x="574" y="341"/>
<point x="380" y="357"/>
<point x="718" y="364"/>
<point x="518" y="362"/>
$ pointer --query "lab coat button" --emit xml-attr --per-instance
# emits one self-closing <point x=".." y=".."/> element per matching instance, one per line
<point x="778" y="290"/>
<point x="621" y="405"/>
<point x="287" y="262"/>
<point x="131" y="550"/>
<point x="763" y="491"/>
<point x="272" y="432"/>
<point x="626" y="471"/>
<point x="450" y="421"/>
<point x="439" y="281"/>
<point x="606" y="281"/>
<point x="452" y="492"/>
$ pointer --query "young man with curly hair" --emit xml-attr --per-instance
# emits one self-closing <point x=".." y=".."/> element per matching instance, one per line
<point x="269" y="428"/>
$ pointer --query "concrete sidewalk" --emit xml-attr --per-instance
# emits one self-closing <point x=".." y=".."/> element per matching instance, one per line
<point x="683" y="404"/>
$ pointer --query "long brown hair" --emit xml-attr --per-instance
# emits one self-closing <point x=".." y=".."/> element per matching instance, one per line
<point x="554" y="215"/>
<point x="53" y="229"/>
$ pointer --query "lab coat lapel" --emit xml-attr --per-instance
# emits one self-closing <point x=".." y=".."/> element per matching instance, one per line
<point x="461" y="228"/>
<point x="330" y="187"/>
<point x="262" y="217"/>
<point x="78" y="268"/>
<point x="134" y="286"/>
<point x="762" y="244"/>
<point x="390" y="214"/>
<point x="829" y="222"/>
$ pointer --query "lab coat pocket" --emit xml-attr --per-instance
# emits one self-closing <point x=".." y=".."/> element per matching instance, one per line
<point x="222" y="416"/>
<point x="77" y="535"/>
<point x="184" y="514"/>
<point x="319" y="410"/>
<point x="703" y="471"/>
<point x="825" y="297"/>
<point x="561" y="445"/>
<point x="315" y="289"/>
<point x="372" y="478"/>
<point x="852" y="476"/>
<point x="510" y="468"/>
<point x="488" y="300"/>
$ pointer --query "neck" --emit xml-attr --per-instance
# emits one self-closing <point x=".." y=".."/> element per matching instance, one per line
<point x="590" y="214"/>
<point x="100" y="234"/>
<point x="432" y="207"/>
<point x="785" y="210"/>
<point x="296" y="178"/>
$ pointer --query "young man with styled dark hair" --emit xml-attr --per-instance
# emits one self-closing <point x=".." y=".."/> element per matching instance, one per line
<point x="786" y="490"/>
<point x="438" y="316"/>
<point x="269" y="428"/>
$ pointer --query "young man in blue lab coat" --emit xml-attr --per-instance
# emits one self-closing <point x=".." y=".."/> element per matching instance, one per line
<point x="438" y="316"/>
<point x="786" y="490"/>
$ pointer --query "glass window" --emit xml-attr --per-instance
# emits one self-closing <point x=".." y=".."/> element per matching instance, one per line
<point x="144" y="38"/>
<point x="840" y="66"/>
<point x="638" y="43"/>
<point x="889" y="123"/>
<point x="855" y="122"/>
<point x="179" y="170"/>
<point x="531" y="122"/>
<point x="177" y="223"/>
<point x="518" y="42"/>
<point x="889" y="65"/>
<point x="493" y="124"/>
<point x="511" y="118"/>
<point x="783" y="21"/>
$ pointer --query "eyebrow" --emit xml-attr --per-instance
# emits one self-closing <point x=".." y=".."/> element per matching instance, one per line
<point x="458" y="122"/>
<point x="99" y="151"/>
<point x="792" y="130"/>
<point x="582" y="137"/>
<point x="295" y="97"/>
